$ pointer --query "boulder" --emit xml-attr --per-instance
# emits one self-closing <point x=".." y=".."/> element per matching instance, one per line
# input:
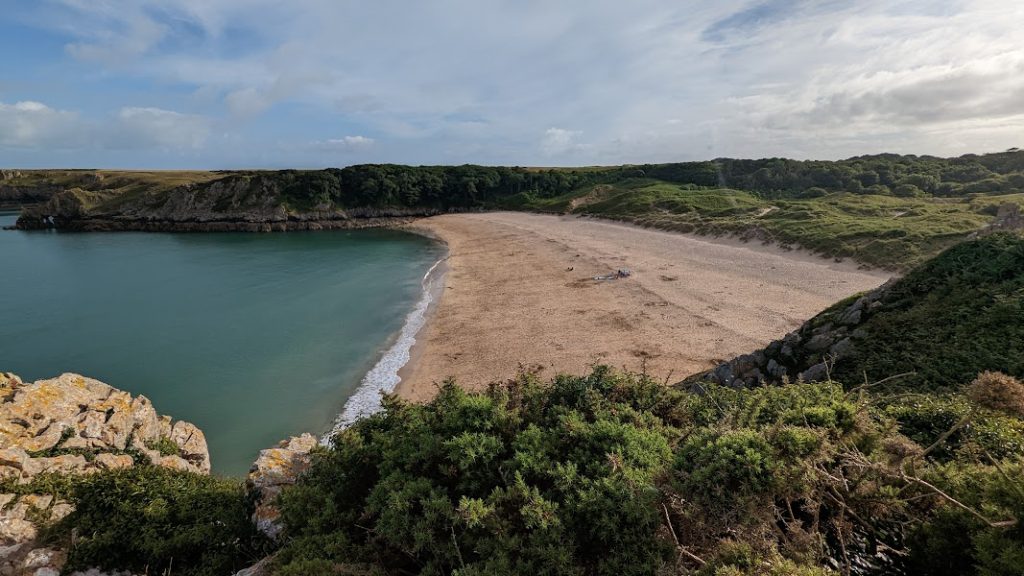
<point x="274" y="469"/>
<point x="114" y="461"/>
<point x="192" y="443"/>
<point x="816" y="373"/>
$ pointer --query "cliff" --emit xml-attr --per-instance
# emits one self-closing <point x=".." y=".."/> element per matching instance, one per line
<point x="55" y="430"/>
<point x="72" y="425"/>
<point x="249" y="202"/>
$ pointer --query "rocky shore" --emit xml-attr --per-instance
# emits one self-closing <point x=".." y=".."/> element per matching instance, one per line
<point x="73" y="425"/>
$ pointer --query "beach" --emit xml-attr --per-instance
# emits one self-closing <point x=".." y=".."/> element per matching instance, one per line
<point x="520" y="294"/>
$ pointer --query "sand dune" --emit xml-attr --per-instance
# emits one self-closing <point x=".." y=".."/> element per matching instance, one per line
<point x="520" y="292"/>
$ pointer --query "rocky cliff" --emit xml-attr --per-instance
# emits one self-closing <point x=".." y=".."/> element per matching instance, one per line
<point x="74" y="425"/>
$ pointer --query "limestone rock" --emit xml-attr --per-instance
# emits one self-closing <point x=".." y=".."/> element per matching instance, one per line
<point x="192" y="443"/>
<point x="114" y="461"/>
<point x="51" y="426"/>
<point x="72" y="412"/>
<point x="274" y="469"/>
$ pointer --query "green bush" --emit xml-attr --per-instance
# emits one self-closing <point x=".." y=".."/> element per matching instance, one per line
<point x="609" y="474"/>
<point x="523" y="479"/>
<point x="954" y="541"/>
<point x="153" y="520"/>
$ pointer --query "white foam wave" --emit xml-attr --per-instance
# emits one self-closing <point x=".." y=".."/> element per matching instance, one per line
<point x="383" y="377"/>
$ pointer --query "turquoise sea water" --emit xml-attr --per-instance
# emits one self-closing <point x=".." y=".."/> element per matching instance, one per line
<point x="252" y="337"/>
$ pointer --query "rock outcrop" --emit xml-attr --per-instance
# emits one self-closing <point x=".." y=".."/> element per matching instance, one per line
<point x="1008" y="219"/>
<point x="274" y="469"/>
<point x="75" y="425"/>
<point x="804" y="354"/>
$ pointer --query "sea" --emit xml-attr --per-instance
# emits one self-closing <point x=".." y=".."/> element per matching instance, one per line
<point x="252" y="337"/>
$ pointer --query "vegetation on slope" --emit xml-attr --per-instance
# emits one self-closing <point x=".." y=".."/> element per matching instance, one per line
<point x="882" y="231"/>
<point x="607" y="473"/>
<point x="949" y="318"/>
<point x="152" y="520"/>
<point x="938" y="326"/>
<point x="884" y="210"/>
<point x="616" y="474"/>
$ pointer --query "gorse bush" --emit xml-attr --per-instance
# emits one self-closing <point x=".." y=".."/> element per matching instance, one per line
<point x="615" y="474"/>
<point x="522" y="479"/>
<point x="153" y="520"/>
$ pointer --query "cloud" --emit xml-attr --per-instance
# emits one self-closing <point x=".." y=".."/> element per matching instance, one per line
<point x="346" y="144"/>
<point x="157" y="128"/>
<point x="524" y="80"/>
<point x="31" y="124"/>
<point x="559" y="141"/>
<point x="34" y="125"/>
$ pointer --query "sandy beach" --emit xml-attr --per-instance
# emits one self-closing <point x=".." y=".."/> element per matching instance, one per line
<point x="520" y="293"/>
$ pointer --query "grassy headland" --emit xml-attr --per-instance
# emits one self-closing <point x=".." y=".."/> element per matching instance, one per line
<point x="886" y="210"/>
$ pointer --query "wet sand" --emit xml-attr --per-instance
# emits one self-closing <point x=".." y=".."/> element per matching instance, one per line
<point x="520" y="294"/>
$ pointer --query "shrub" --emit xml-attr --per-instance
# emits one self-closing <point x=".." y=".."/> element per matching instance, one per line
<point x="997" y="391"/>
<point x="954" y="541"/>
<point x="148" y="519"/>
<point x="602" y="474"/>
<point x="521" y="479"/>
<point x="164" y="445"/>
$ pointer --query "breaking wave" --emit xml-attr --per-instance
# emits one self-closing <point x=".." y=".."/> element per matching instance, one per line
<point x="383" y="377"/>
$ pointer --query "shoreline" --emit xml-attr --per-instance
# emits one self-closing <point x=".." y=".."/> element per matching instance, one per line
<point x="386" y="374"/>
<point x="491" y="318"/>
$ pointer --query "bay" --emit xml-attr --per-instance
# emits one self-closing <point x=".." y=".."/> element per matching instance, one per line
<point x="252" y="337"/>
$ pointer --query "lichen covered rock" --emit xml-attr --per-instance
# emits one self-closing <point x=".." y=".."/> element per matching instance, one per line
<point x="273" y="470"/>
<point x="75" y="425"/>
<point x="65" y="424"/>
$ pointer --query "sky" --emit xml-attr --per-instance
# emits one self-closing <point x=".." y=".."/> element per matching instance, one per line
<point x="315" y="83"/>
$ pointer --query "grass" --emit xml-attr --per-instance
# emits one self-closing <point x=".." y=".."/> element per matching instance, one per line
<point x="878" y="231"/>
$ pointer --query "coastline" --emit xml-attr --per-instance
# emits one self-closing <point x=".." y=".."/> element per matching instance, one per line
<point x="387" y="372"/>
<point x="519" y="288"/>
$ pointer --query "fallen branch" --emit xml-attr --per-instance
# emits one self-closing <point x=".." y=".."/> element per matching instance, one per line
<point x="682" y="549"/>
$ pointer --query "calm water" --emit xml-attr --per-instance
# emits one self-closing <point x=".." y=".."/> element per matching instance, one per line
<point x="253" y="337"/>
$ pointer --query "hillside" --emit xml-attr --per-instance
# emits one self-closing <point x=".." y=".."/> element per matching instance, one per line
<point x="885" y="211"/>
<point x="939" y="325"/>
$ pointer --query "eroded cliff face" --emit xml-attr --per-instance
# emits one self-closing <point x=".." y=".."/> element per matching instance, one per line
<point x="241" y="202"/>
<point x="74" y="425"/>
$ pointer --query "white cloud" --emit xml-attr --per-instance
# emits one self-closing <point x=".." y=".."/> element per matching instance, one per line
<point x="34" y="125"/>
<point x="31" y="124"/>
<point x="662" y="80"/>
<point x="157" y="128"/>
<point x="558" y="141"/>
<point x="346" y="144"/>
